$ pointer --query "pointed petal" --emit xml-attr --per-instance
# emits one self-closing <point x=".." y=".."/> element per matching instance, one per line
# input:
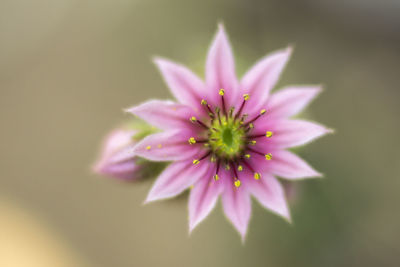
<point x="163" y="114"/>
<point x="220" y="69"/>
<point x="176" y="178"/>
<point x="291" y="100"/>
<point x="166" y="146"/>
<point x="269" y="192"/>
<point x="109" y="163"/>
<point x="290" y="166"/>
<point x="202" y="199"/>
<point x="261" y="78"/>
<point x="122" y="170"/>
<point x="237" y="206"/>
<point x="292" y="133"/>
<point x="184" y="84"/>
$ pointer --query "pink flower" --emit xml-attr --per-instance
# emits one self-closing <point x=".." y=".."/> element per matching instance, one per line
<point x="228" y="137"/>
<point x="115" y="161"/>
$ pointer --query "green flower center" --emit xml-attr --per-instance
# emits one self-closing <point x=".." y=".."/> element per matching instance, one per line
<point x="227" y="139"/>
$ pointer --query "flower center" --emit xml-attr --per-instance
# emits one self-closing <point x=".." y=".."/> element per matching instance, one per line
<point x="227" y="139"/>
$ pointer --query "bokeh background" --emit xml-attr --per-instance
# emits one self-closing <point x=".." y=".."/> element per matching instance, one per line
<point x="68" y="68"/>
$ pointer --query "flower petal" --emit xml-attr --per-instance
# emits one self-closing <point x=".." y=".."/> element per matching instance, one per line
<point x="269" y="192"/>
<point x="122" y="170"/>
<point x="176" y="178"/>
<point x="184" y="84"/>
<point x="202" y="199"/>
<point x="237" y="206"/>
<point x="220" y="69"/>
<point x="163" y="114"/>
<point x="290" y="166"/>
<point x="166" y="146"/>
<point x="109" y="163"/>
<point x="261" y="78"/>
<point x="291" y="100"/>
<point x="291" y="133"/>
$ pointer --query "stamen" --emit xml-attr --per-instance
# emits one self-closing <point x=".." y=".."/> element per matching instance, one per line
<point x="262" y="112"/>
<point x="231" y="111"/>
<point x="210" y="112"/>
<point x="237" y="183"/>
<point x="248" y="165"/>
<point x="217" y="110"/>
<point x="216" y="177"/>
<point x="194" y="119"/>
<point x="236" y="178"/>
<point x="269" y="134"/>
<point x="247" y="156"/>
<point x="148" y="147"/>
<point x="245" y="98"/>
<point x="255" y="151"/>
<point x="192" y="141"/>
<point x="197" y="161"/>
<point x="252" y="142"/>
<point x="257" y="176"/>
<point x="268" y="156"/>
<point x="244" y="117"/>
<point x="240" y="168"/>
<point x="222" y="93"/>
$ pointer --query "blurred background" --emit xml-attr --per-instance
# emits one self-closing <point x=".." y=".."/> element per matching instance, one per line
<point x="68" y="68"/>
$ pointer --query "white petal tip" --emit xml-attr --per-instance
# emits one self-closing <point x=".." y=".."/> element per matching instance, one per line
<point x="330" y="131"/>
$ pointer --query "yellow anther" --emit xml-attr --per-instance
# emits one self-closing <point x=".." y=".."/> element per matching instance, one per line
<point x="247" y="156"/>
<point x="203" y="102"/>
<point x="206" y="145"/>
<point x="240" y="168"/>
<point x="148" y="147"/>
<point x="221" y="92"/>
<point x="216" y="177"/>
<point x="268" y="156"/>
<point x="192" y="141"/>
<point x="227" y="167"/>
<point x="253" y="142"/>
<point x="159" y="145"/>
<point x="193" y="119"/>
<point x="251" y="125"/>
<point x="262" y="112"/>
<point x="213" y="159"/>
<point x="246" y="97"/>
<point x="257" y="176"/>
<point x="269" y="134"/>
<point x="196" y="161"/>
<point x="237" y="183"/>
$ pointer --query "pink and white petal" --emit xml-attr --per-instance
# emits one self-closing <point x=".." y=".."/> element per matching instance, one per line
<point x="288" y="165"/>
<point x="237" y="206"/>
<point x="187" y="88"/>
<point x="292" y="133"/>
<point x="270" y="193"/>
<point x="261" y="79"/>
<point x="124" y="170"/>
<point x="220" y="70"/>
<point x="176" y="178"/>
<point x="291" y="100"/>
<point x="163" y="114"/>
<point x="115" y="141"/>
<point x="167" y="146"/>
<point x="203" y="198"/>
